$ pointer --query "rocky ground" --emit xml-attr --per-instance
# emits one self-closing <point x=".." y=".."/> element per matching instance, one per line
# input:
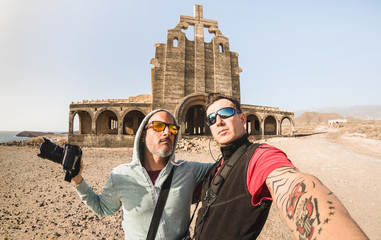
<point x="36" y="203"/>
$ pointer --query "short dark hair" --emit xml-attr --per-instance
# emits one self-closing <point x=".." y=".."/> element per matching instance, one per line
<point x="213" y="97"/>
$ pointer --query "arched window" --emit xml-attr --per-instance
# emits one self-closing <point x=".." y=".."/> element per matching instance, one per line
<point x="175" y="42"/>
<point x="270" y="126"/>
<point x="107" y="123"/>
<point x="221" y="47"/>
<point x="252" y="125"/>
<point x="131" y="122"/>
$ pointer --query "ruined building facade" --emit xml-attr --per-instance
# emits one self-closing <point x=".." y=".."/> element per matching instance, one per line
<point x="183" y="74"/>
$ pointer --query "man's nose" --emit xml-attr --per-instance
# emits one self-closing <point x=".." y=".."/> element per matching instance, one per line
<point x="166" y="130"/>
<point x="219" y="120"/>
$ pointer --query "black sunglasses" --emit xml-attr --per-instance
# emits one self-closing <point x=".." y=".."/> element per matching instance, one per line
<point x="223" y="113"/>
<point x="160" y="126"/>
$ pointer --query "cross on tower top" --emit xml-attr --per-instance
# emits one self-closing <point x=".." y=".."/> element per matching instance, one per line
<point x="198" y="12"/>
<point x="198" y="22"/>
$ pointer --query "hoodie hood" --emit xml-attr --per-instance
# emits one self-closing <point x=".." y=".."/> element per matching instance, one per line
<point x="137" y="155"/>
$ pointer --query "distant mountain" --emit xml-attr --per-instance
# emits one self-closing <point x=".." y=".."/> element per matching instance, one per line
<point x="33" y="134"/>
<point x="316" y="118"/>
<point x="364" y="112"/>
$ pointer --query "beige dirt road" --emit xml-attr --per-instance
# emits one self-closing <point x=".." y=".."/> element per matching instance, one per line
<point x="36" y="203"/>
<point x="342" y="165"/>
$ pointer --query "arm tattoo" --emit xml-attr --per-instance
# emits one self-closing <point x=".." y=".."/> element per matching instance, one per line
<point x="278" y="181"/>
<point x="300" y="207"/>
<point x="294" y="198"/>
<point x="307" y="217"/>
<point x="305" y="220"/>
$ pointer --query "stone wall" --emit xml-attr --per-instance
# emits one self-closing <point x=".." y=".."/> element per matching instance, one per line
<point x="190" y="67"/>
<point x="268" y="120"/>
<point x="106" y="123"/>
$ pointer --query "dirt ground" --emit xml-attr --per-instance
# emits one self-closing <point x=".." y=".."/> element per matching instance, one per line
<point x="36" y="202"/>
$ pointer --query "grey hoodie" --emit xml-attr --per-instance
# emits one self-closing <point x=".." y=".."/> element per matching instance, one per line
<point x="130" y="187"/>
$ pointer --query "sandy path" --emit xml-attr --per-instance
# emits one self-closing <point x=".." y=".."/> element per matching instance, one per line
<point x="36" y="203"/>
<point x="355" y="178"/>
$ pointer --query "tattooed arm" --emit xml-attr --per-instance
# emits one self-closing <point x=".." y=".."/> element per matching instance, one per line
<point x="310" y="209"/>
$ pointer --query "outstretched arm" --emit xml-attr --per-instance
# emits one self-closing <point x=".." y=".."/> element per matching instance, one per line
<point x="309" y="208"/>
<point x="103" y="204"/>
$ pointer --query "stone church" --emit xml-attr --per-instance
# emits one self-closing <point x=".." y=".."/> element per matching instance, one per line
<point x="183" y="74"/>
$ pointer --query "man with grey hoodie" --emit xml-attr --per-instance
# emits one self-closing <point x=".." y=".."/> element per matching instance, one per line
<point x="135" y="186"/>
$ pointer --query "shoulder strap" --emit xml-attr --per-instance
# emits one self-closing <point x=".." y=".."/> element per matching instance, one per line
<point x="160" y="206"/>
<point x="226" y="168"/>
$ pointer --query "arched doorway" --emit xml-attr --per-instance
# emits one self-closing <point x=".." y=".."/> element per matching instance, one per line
<point x="107" y="123"/>
<point x="270" y="126"/>
<point x="195" y="120"/>
<point x="285" y="127"/>
<point x="190" y="114"/>
<point x="82" y="123"/>
<point x="253" y="125"/>
<point x="131" y="122"/>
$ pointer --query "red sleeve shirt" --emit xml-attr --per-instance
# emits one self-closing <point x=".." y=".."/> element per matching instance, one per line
<point x="265" y="159"/>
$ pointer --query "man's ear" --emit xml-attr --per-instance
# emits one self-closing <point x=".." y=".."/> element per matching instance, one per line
<point x="242" y="117"/>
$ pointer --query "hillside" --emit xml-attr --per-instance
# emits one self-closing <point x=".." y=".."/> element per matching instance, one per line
<point x="316" y="118"/>
<point x="363" y="112"/>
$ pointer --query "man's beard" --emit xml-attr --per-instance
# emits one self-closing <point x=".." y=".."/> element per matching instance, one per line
<point x="166" y="152"/>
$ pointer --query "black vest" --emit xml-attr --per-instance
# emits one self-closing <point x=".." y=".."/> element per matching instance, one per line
<point x="231" y="215"/>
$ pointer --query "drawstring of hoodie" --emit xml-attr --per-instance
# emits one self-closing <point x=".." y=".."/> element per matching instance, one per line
<point x="177" y="163"/>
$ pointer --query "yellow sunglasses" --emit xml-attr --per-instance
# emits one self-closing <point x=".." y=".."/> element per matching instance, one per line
<point x="160" y="127"/>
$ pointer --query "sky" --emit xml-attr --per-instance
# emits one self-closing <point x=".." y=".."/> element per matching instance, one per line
<point x="295" y="54"/>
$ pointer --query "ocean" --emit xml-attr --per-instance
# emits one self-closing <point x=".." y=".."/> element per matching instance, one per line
<point x="10" y="136"/>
